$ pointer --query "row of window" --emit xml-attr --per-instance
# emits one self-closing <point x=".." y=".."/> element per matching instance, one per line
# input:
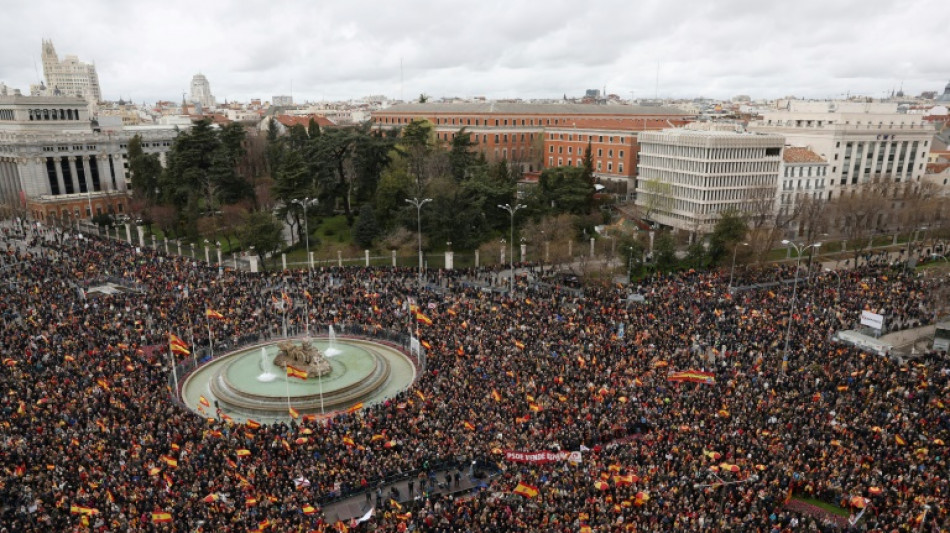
<point x="54" y="114"/>
<point x="802" y="171"/>
<point x="821" y="123"/>
<point x="706" y="182"/>
<point x="582" y="137"/>
<point x="695" y="152"/>
<point x="583" y="149"/>
<point x="789" y="185"/>
<point x="705" y="167"/>
<point x="579" y="162"/>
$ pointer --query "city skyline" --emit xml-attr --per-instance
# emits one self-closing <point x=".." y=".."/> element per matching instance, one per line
<point x="496" y="50"/>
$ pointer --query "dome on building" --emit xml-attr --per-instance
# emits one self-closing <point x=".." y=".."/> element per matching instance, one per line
<point x="945" y="97"/>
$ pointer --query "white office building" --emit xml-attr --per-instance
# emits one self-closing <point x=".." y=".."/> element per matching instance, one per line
<point x="56" y="166"/>
<point x="688" y="176"/>
<point x="861" y="142"/>
<point x="70" y="77"/>
<point x="201" y="92"/>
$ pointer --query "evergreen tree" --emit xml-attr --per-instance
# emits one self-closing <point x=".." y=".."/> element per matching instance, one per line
<point x="462" y="155"/>
<point x="366" y="230"/>
<point x="263" y="232"/>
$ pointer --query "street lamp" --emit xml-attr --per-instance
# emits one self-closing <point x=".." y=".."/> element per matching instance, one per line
<point x="735" y="249"/>
<point x="511" y="241"/>
<point x="418" y="203"/>
<point x="306" y="229"/>
<point x="799" y="250"/>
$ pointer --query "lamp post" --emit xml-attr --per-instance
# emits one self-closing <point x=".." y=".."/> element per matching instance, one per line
<point x="799" y="249"/>
<point x="735" y="249"/>
<point x="306" y="230"/>
<point x="193" y="256"/>
<point x="207" y="254"/>
<point x="511" y="241"/>
<point x="418" y="203"/>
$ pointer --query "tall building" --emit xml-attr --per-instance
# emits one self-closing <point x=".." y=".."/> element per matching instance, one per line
<point x="201" y="91"/>
<point x="862" y="142"/>
<point x="70" y="77"/>
<point x="688" y="176"/>
<point x="284" y="101"/>
<point x="533" y="136"/>
<point x="56" y="167"/>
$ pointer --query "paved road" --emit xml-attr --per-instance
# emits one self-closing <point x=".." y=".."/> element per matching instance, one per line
<point x="356" y="506"/>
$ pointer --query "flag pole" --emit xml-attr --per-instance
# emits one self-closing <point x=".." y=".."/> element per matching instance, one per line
<point x="171" y="355"/>
<point x="210" y="340"/>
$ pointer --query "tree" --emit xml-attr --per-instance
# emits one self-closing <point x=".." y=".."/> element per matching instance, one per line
<point x="730" y="229"/>
<point x="313" y="129"/>
<point x="653" y="195"/>
<point x="145" y="170"/>
<point x="394" y="186"/>
<point x="263" y="232"/>
<point x="462" y="156"/>
<point x="565" y="190"/>
<point x="292" y="182"/>
<point x="366" y="230"/>
<point x="416" y="144"/>
<point x="664" y="251"/>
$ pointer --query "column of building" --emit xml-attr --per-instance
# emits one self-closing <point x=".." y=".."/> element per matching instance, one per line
<point x="59" y="175"/>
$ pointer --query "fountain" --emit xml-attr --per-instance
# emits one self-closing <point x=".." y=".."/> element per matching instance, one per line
<point x="332" y="349"/>
<point x="250" y="383"/>
<point x="266" y="376"/>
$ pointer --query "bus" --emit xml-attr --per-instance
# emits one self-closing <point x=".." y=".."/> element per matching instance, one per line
<point x="942" y="336"/>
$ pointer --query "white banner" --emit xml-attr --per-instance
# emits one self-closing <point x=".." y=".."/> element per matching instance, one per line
<point x="873" y="320"/>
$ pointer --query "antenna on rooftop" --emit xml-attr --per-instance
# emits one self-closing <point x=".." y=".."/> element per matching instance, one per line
<point x="656" y="86"/>
<point x="401" y="78"/>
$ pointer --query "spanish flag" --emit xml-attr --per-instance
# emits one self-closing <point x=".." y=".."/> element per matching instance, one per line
<point x="425" y="345"/>
<point x="293" y="413"/>
<point x="243" y="452"/>
<point x="495" y="396"/>
<point x="519" y="345"/>
<point x="461" y="351"/>
<point x="420" y="395"/>
<point x="306" y="295"/>
<point x="395" y="504"/>
<point x="169" y="461"/>
<point x="526" y="490"/>
<point x="211" y="498"/>
<point x="423" y="319"/>
<point x="86" y="511"/>
<point x="204" y="401"/>
<point x="348" y="441"/>
<point x="354" y="408"/>
<point x="308" y="509"/>
<point x="177" y="345"/>
<point x="211" y="313"/>
<point x="251" y="423"/>
<point x="899" y="440"/>
<point x="294" y="372"/>
<point x="285" y="298"/>
<point x="161" y="518"/>
<point x="468" y="425"/>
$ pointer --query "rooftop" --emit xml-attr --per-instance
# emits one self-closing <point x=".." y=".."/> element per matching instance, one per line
<point x="797" y="154"/>
<point x="304" y="120"/>
<point x="521" y="108"/>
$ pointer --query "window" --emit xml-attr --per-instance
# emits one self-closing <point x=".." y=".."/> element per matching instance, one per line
<point x="600" y="152"/>
<point x="560" y="161"/>
<point x="610" y="167"/>
<point x="551" y="149"/>
<point x="620" y="154"/>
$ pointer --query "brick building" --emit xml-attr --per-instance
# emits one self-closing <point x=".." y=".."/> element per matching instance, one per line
<point x="539" y="136"/>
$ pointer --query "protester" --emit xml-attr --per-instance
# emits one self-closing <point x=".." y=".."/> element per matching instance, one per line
<point x="91" y="439"/>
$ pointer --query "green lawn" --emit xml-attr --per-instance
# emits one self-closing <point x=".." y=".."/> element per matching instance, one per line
<point x="826" y="506"/>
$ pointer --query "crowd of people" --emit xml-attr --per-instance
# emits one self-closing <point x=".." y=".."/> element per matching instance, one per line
<point x="91" y="438"/>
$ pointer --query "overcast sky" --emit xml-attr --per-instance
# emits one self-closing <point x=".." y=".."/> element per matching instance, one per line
<point x="334" y="50"/>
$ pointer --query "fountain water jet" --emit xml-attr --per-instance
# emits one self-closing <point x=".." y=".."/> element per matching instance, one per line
<point x="266" y="375"/>
<point x="332" y="349"/>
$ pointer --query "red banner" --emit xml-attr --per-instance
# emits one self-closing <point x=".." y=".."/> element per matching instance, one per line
<point x="542" y="457"/>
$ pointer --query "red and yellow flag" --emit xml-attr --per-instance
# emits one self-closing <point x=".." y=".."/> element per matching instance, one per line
<point x="495" y="396"/>
<point x="899" y="440"/>
<point x="204" y="401"/>
<point x="420" y="395"/>
<point x="161" y="518"/>
<point x="170" y="461"/>
<point x="211" y="313"/>
<point x="86" y="511"/>
<point x="177" y="345"/>
<point x="293" y="413"/>
<point x="526" y="490"/>
<point x="243" y="452"/>
<point x="519" y="345"/>
<point x="423" y="319"/>
<point x="251" y="423"/>
<point x="308" y="509"/>
<point x="355" y="408"/>
<point x="294" y="372"/>
<point x="468" y="425"/>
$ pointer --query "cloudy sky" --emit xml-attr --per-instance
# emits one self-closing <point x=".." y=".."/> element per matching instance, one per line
<point x="331" y="50"/>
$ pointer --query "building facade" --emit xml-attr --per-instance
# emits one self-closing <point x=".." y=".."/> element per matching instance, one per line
<point x="201" y="92"/>
<point x="538" y="136"/>
<point x="862" y="142"/>
<point x="55" y="166"/>
<point x="70" y="77"/>
<point x="803" y="174"/>
<point x="688" y="176"/>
